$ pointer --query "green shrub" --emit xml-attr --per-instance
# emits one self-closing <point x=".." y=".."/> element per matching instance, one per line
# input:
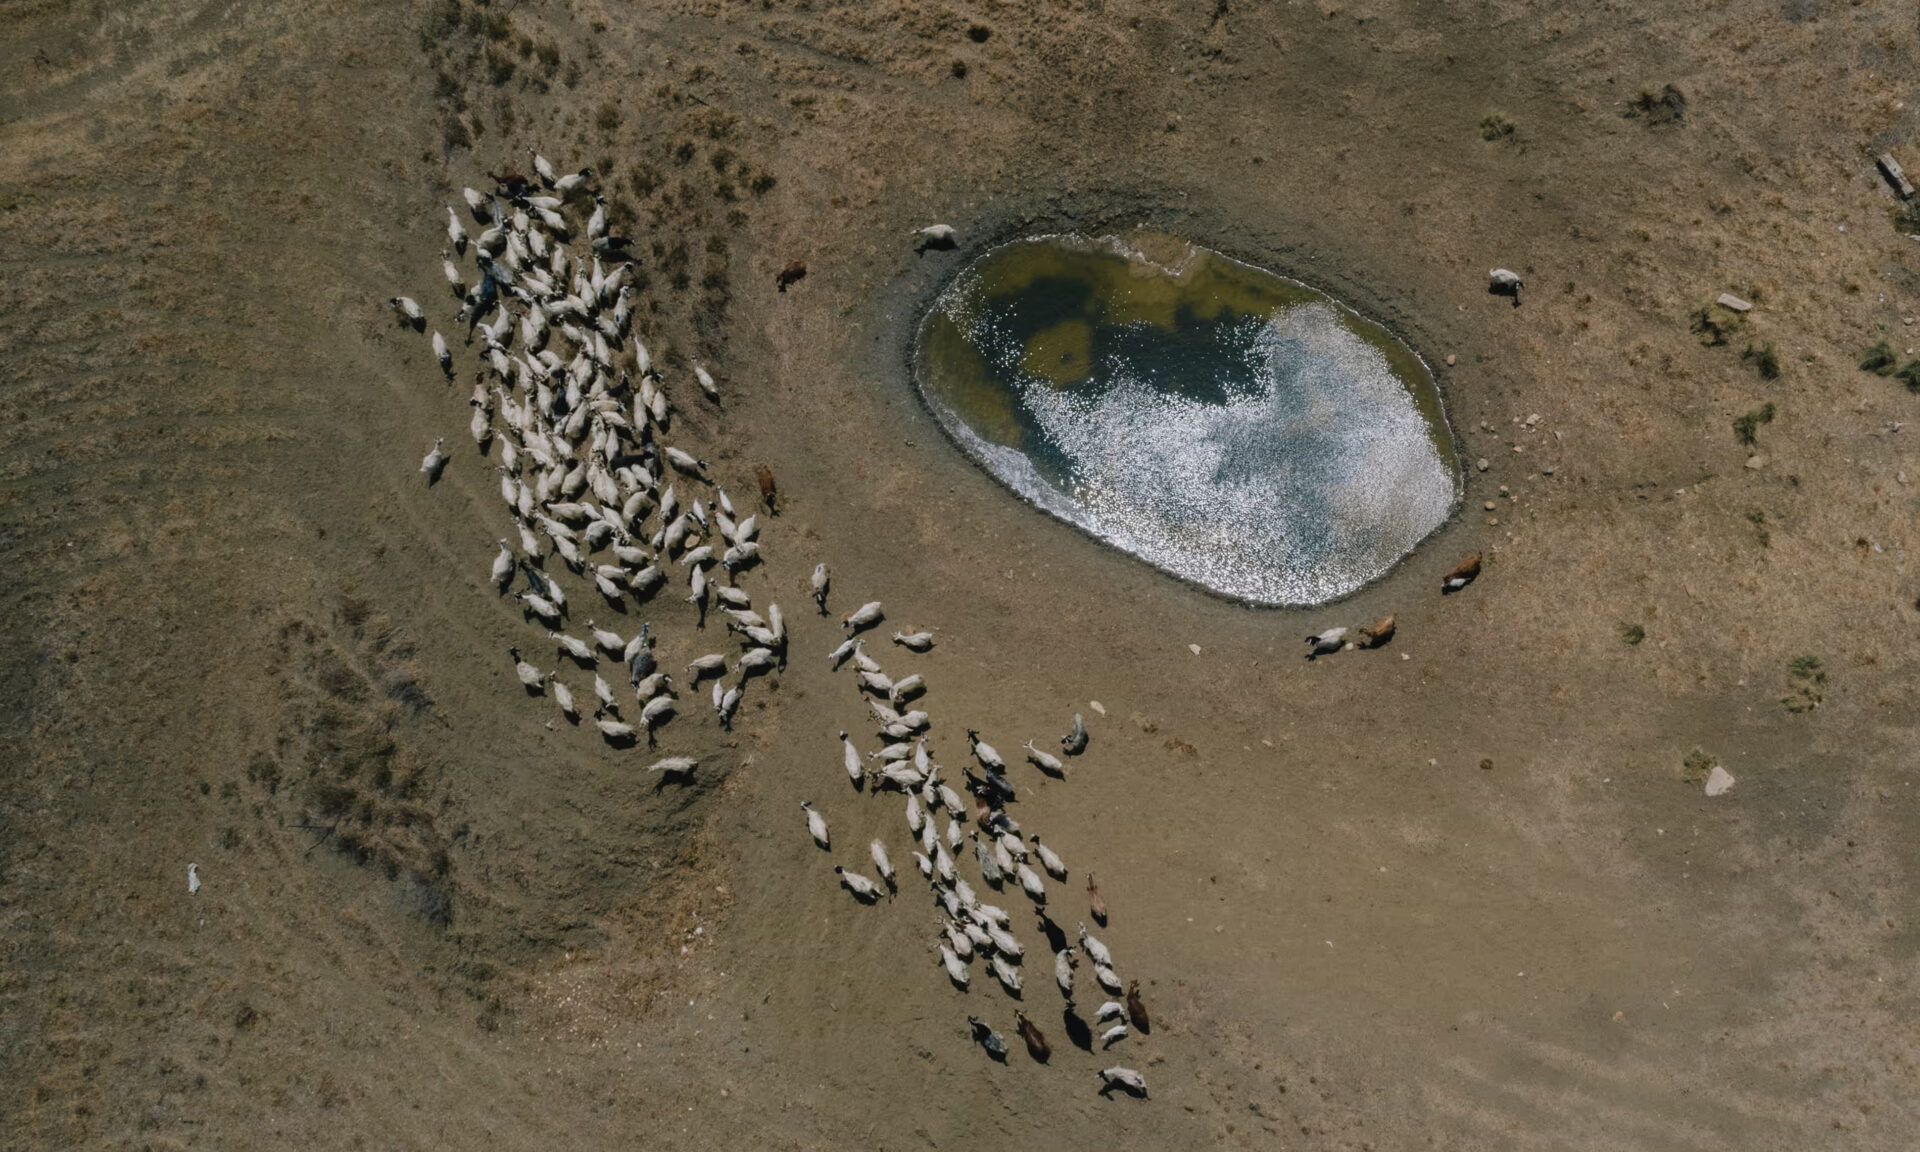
<point x="1747" y="426"/>
<point x="1764" y="359"/>
<point x="1808" y="680"/>
<point x="1879" y="358"/>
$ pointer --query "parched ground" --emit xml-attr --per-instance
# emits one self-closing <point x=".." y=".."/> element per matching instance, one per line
<point x="1465" y="891"/>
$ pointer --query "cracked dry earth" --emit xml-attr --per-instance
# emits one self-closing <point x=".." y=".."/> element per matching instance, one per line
<point x="1465" y="890"/>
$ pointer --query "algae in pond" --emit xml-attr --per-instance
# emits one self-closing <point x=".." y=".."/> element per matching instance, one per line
<point x="1225" y="424"/>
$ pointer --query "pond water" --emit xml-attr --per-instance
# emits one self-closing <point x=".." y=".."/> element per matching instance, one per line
<point x="1228" y="425"/>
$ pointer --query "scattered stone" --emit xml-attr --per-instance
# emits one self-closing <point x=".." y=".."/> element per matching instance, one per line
<point x="1194" y="648"/>
<point x="1450" y="358"/>
<point x="1486" y="765"/>
<point x="1482" y="464"/>
<point x="1097" y="707"/>
<point x="1719" y="781"/>
<point x="1488" y="505"/>
<point x="1732" y="303"/>
<point x="1756" y="462"/>
<point x="1546" y="469"/>
<point x="1890" y="168"/>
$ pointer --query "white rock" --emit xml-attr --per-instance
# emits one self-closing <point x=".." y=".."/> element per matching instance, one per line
<point x="1194" y="648"/>
<point x="1719" y="781"/>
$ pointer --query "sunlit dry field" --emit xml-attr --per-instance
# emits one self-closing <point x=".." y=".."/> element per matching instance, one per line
<point x="1466" y="889"/>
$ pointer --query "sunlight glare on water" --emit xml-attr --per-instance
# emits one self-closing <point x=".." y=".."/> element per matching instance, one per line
<point x="1232" y="427"/>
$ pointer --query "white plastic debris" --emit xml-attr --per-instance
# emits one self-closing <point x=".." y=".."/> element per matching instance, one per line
<point x="1097" y="707"/>
<point x="1719" y="781"/>
<point x="1733" y="303"/>
<point x="193" y="879"/>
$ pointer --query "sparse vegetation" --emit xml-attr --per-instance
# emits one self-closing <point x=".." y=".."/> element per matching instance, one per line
<point x="1698" y="765"/>
<point x="959" y="69"/>
<point x="1907" y="219"/>
<point x="442" y="20"/>
<point x="1667" y="106"/>
<point x="1714" y="324"/>
<point x="1632" y="634"/>
<point x="643" y="180"/>
<point x="1764" y="359"/>
<point x="1880" y="358"/>
<point x="1909" y="374"/>
<point x="364" y="792"/>
<point x="1747" y="427"/>
<point x="1807" y="680"/>
<point x="1494" y="126"/>
<point x="500" y="66"/>
<point x="454" y="134"/>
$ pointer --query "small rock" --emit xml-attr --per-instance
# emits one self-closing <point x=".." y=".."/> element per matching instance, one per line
<point x="1890" y="168"/>
<point x="1733" y="303"/>
<point x="1194" y="648"/>
<point x="1488" y="505"/>
<point x="1450" y="359"/>
<point x="193" y="879"/>
<point x="1546" y="469"/>
<point x="1756" y="462"/>
<point x="1097" y="707"/>
<point x="1482" y="464"/>
<point x="1719" y="781"/>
